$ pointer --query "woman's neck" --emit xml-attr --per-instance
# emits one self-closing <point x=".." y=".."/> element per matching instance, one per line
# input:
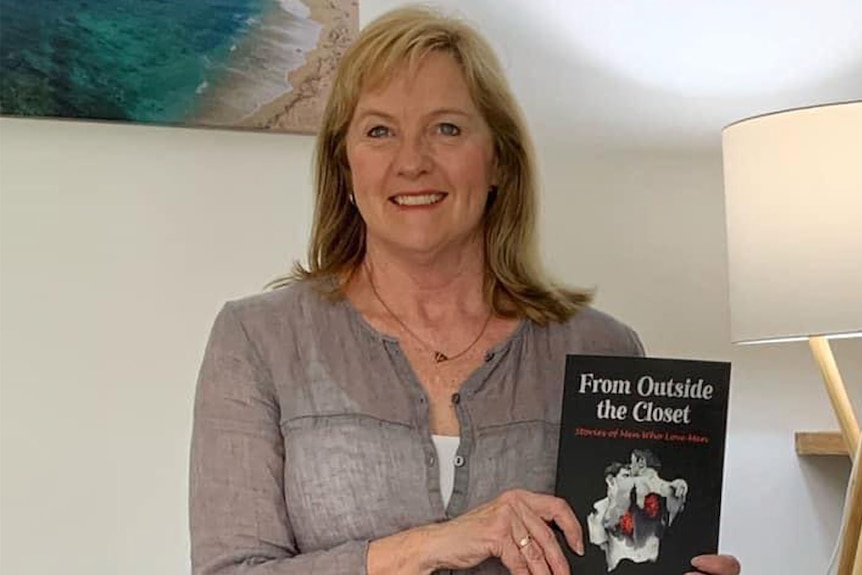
<point x="428" y="291"/>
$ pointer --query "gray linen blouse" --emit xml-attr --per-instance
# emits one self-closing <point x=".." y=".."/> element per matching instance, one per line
<point x="311" y="432"/>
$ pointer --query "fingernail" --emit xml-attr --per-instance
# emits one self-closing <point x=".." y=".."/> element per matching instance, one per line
<point x="697" y="560"/>
<point x="580" y="548"/>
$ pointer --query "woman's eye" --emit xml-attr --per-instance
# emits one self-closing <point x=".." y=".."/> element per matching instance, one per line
<point x="448" y="129"/>
<point x="378" y="132"/>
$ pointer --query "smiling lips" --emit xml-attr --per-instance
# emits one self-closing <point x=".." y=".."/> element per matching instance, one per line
<point x="418" y="199"/>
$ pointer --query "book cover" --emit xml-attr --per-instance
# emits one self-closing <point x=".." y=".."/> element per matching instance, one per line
<point x="641" y="460"/>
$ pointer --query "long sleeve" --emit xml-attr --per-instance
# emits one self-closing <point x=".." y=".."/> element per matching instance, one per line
<point x="636" y="346"/>
<point x="238" y="517"/>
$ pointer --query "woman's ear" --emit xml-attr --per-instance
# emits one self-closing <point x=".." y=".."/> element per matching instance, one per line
<point x="492" y="196"/>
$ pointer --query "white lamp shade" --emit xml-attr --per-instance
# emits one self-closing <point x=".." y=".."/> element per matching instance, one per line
<point x="793" y="193"/>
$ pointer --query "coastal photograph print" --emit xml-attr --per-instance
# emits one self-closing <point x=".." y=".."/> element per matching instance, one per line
<point x="249" y="64"/>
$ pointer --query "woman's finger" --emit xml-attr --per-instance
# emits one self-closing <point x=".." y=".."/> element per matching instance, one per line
<point x="717" y="564"/>
<point x="514" y="560"/>
<point x="533" y="555"/>
<point x="557" y="510"/>
<point x="527" y="546"/>
<point x="543" y="537"/>
<point x="520" y="557"/>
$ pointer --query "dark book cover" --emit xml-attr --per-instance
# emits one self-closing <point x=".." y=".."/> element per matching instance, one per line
<point x="641" y="460"/>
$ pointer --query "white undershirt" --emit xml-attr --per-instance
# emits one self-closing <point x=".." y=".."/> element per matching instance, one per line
<point x="446" y="446"/>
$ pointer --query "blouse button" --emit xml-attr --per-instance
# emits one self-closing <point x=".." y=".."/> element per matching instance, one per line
<point x="456" y="399"/>
<point x="431" y="461"/>
<point x="459" y="461"/>
<point x="489" y="356"/>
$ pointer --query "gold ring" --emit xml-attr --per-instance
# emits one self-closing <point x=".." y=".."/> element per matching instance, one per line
<point x="525" y="541"/>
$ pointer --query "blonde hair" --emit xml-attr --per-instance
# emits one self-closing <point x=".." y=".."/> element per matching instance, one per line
<point x="513" y="285"/>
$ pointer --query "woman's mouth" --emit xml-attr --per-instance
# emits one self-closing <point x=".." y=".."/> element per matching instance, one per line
<point x="422" y="199"/>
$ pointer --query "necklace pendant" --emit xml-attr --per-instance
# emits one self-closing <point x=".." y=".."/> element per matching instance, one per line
<point x="440" y="357"/>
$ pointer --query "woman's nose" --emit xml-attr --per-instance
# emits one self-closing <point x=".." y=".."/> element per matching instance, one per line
<point x="413" y="158"/>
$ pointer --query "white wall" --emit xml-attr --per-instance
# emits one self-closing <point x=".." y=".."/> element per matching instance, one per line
<point x="119" y="244"/>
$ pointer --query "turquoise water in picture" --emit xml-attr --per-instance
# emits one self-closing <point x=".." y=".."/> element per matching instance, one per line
<point x="146" y="60"/>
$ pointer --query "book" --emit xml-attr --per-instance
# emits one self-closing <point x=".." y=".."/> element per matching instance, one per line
<point x="641" y="461"/>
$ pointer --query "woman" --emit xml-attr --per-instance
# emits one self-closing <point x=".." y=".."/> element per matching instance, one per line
<point x="395" y="407"/>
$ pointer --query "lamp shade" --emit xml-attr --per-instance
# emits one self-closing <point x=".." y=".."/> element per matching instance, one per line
<point x="793" y="199"/>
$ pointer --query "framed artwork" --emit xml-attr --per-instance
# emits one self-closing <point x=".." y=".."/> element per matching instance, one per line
<point x="253" y="64"/>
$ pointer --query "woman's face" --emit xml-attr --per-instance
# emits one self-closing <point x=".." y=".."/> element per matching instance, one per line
<point x="421" y="160"/>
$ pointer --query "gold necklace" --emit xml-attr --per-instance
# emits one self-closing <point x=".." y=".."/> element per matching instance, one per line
<point x="439" y="356"/>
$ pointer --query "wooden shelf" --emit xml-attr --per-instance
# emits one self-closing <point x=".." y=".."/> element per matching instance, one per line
<point x="820" y="443"/>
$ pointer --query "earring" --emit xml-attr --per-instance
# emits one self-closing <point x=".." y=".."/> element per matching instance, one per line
<point x="351" y="199"/>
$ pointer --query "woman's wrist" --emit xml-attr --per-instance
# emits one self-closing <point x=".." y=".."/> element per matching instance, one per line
<point x="409" y="552"/>
<point x="423" y="539"/>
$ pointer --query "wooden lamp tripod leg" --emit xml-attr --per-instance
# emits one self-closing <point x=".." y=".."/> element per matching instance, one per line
<point x="850" y="549"/>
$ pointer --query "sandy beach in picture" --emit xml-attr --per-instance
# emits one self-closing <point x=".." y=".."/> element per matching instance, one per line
<point x="295" y="48"/>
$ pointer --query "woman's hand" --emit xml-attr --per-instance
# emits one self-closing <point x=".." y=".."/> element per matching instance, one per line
<point x="512" y="527"/>
<point x="715" y="565"/>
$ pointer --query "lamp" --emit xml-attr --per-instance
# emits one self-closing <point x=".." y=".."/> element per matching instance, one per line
<point x="793" y="196"/>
